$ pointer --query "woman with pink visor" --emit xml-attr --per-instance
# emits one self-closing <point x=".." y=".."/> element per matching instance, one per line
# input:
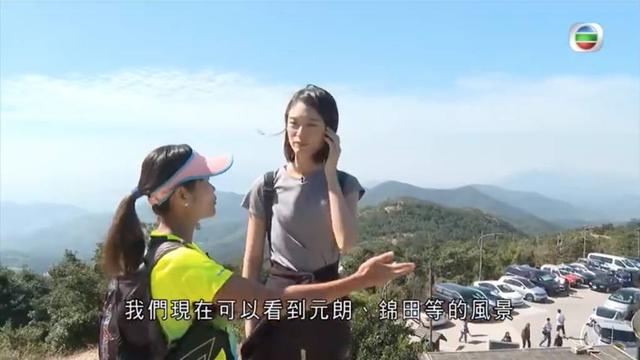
<point x="174" y="178"/>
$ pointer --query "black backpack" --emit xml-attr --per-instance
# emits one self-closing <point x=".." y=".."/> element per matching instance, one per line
<point x="123" y="339"/>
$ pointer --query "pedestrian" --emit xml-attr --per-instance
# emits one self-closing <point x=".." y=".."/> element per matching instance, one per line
<point x="558" y="341"/>
<point x="560" y="323"/>
<point x="507" y="337"/>
<point x="526" y="336"/>
<point x="464" y="331"/>
<point x="546" y="331"/>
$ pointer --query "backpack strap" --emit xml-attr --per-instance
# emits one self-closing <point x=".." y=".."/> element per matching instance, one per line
<point x="157" y="248"/>
<point x="268" y="195"/>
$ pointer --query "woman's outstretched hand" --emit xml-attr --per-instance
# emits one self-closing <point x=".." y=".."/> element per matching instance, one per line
<point x="381" y="268"/>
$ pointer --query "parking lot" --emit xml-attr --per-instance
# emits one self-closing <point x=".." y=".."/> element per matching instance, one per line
<point x="576" y="307"/>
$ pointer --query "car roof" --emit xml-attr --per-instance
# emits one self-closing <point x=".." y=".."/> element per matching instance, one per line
<point x="451" y="286"/>
<point x="628" y="290"/>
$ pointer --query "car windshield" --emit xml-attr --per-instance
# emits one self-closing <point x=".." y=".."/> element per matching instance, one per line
<point x="546" y="277"/>
<point x="505" y="289"/>
<point x="564" y="272"/>
<point x="477" y="295"/>
<point x="527" y="283"/>
<point x="617" y="335"/>
<point x="606" y="312"/>
<point x="628" y="263"/>
<point x="625" y="297"/>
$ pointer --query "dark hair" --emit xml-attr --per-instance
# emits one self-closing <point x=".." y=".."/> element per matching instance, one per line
<point x="322" y="102"/>
<point x="125" y="243"/>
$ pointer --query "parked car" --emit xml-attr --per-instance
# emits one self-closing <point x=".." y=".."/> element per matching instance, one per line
<point x="568" y="270"/>
<point x="582" y="270"/>
<point x="625" y="300"/>
<point x="566" y="277"/>
<point x="604" y="313"/>
<point x="502" y="291"/>
<point x="450" y="291"/>
<point x="613" y="262"/>
<point x="610" y="332"/>
<point x="595" y="265"/>
<point x="491" y="297"/>
<point x="625" y="277"/>
<point x="526" y="288"/>
<point x="605" y="282"/>
<point x="540" y="278"/>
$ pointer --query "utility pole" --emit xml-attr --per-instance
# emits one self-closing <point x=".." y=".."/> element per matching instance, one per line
<point x="482" y="236"/>
<point x="431" y="280"/>
<point x="584" y="240"/>
<point x="638" y="233"/>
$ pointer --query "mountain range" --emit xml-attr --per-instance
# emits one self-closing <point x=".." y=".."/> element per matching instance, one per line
<point x="37" y="234"/>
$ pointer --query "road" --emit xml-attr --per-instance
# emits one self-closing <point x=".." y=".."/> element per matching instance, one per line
<point x="576" y="307"/>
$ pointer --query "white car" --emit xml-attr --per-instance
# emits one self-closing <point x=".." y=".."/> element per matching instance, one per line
<point x="525" y="287"/>
<point x="625" y="300"/>
<point x="610" y="332"/>
<point x="502" y="291"/>
<point x="604" y="313"/>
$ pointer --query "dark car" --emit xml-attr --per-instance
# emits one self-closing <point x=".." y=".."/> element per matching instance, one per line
<point x="625" y="277"/>
<point x="450" y="291"/>
<point x="541" y="278"/>
<point x="606" y="283"/>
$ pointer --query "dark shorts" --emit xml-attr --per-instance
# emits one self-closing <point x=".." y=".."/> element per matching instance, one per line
<point x="289" y="339"/>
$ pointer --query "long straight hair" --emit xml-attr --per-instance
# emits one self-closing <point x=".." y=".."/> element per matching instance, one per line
<point x="124" y="246"/>
<point x="321" y="101"/>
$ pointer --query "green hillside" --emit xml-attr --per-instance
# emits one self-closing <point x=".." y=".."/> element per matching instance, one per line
<point x="463" y="197"/>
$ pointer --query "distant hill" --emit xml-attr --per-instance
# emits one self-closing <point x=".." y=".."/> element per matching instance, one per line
<point x="546" y="208"/>
<point x="19" y="219"/>
<point x="408" y="219"/>
<point x="463" y="197"/>
<point x="222" y="236"/>
<point x="616" y="198"/>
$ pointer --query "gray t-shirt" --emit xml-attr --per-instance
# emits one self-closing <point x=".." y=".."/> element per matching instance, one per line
<point x="301" y="233"/>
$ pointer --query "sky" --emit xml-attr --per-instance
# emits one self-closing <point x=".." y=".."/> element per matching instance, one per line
<point x="437" y="94"/>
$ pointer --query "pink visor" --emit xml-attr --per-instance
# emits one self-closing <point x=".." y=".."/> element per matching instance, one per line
<point x="197" y="167"/>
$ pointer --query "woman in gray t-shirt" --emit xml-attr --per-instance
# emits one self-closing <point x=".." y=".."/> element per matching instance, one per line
<point x="314" y="220"/>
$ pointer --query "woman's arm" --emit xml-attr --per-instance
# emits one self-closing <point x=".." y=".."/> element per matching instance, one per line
<point x="252" y="262"/>
<point x="254" y="247"/>
<point x="374" y="272"/>
<point x="343" y="214"/>
<point x="343" y="211"/>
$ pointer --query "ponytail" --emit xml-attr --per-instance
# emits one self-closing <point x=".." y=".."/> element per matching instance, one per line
<point x="124" y="246"/>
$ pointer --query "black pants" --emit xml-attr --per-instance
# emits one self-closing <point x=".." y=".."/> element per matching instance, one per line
<point x="526" y="342"/>
<point x="561" y="327"/>
<point x="289" y="339"/>
<point x="547" y="338"/>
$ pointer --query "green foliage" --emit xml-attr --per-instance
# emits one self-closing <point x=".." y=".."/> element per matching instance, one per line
<point x="379" y="339"/>
<point x="74" y="303"/>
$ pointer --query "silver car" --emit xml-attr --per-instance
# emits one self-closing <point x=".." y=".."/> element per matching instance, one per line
<point x="526" y="288"/>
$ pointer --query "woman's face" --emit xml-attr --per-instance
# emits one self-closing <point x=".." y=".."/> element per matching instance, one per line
<point x="200" y="202"/>
<point x="305" y="129"/>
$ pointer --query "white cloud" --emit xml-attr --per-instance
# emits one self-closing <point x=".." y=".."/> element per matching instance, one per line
<point x="81" y="139"/>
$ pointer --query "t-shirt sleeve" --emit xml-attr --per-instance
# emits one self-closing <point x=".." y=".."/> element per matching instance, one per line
<point x="253" y="199"/>
<point x="197" y="276"/>
<point x="351" y="185"/>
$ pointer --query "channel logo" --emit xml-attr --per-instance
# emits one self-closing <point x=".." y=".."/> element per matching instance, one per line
<point x="586" y="37"/>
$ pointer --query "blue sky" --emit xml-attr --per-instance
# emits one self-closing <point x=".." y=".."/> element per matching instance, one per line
<point x="457" y="73"/>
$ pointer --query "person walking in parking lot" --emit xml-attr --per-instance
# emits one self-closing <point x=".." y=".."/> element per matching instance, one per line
<point x="464" y="331"/>
<point x="546" y="331"/>
<point x="526" y="336"/>
<point x="558" y="341"/>
<point x="560" y="323"/>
